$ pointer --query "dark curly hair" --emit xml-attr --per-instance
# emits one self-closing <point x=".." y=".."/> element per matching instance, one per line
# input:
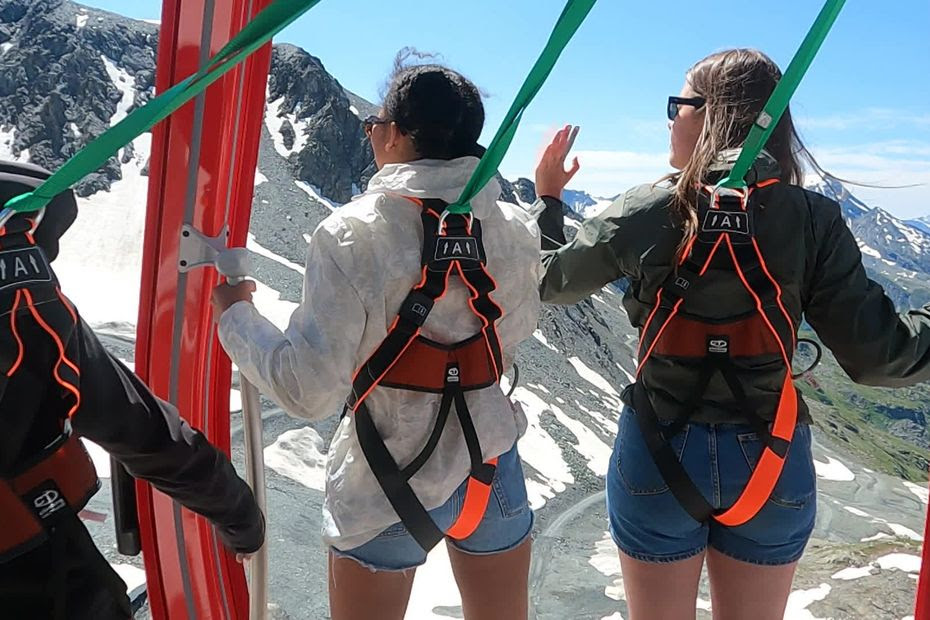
<point x="437" y="107"/>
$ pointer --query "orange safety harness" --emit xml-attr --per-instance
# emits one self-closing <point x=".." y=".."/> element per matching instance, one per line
<point x="452" y="245"/>
<point x="57" y="482"/>
<point x="725" y="226"/>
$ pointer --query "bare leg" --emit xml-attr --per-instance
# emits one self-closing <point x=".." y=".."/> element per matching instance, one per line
<point x="661" y="591"/>
<point x="742" y="590"/>
<point x="493" y="587"/>
<point x="358" y="593"/>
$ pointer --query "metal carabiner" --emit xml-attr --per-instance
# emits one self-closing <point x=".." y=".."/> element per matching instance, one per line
<point x="7" y="214"/>
<point x="720" y="190"/>
<point x="446" y="214"/>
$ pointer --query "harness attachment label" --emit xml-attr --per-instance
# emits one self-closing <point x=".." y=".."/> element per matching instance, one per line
<point x="719" y="221"/>
<point x="23" y="266"/>
<point x="453" y="374"/>
<point x="456" y="248"/>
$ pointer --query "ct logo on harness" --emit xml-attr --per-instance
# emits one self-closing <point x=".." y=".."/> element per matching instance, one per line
<point x="718" y="345"/>
<point x="48" y="502"/>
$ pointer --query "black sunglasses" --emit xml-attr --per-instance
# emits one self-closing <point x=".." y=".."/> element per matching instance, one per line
<point x="674" y="102"/>
<point x="371" y="121"/>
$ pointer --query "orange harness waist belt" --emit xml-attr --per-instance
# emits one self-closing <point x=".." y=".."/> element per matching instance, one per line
<point x="56" y="484"/>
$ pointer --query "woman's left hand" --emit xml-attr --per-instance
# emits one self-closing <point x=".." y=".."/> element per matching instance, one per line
<point x="551" y="175"/>
<point x="225" y="295"/>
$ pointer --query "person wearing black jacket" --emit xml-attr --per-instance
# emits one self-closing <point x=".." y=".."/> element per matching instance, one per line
<point x="57" y="383"/>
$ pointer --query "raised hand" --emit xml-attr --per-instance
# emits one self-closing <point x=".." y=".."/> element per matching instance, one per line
<point x="551" y="175"/>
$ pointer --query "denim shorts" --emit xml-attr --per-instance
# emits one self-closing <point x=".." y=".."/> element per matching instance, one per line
<point x="507" y="523"/>
<point x="648" y="524"/>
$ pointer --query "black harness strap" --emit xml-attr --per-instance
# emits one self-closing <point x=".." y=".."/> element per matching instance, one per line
<point x="481" y="471"/>
<point x="411" y="317"/>
<point x="671" y="469"/>
<point x="395" y="483"/>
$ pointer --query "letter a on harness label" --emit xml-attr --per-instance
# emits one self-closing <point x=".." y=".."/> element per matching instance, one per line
<point x="716" y="220"/>
<point x="456" y="248"/>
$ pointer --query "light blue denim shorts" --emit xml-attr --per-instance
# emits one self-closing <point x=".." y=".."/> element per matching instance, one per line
<point x="648" y="524"/>
<point x="507" y="523"/>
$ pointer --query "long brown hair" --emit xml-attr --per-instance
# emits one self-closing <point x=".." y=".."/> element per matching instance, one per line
<point x="736" y="84"/>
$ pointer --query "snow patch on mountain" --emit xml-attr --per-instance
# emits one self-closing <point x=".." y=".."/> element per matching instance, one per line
<point x="800" y="600"/>
<point x="301" y="456"/>
<point x="127" y="88"/>
<point x="541" y="451"/>
<point x="315" y="193"/>
<point x="921" y="491"/>
<point x="593" y="377"/>
<point x="834" y="470"/>
<point x="275" y="122"/>
<point x="922" y="224"/>
<point x="104" y="283"/>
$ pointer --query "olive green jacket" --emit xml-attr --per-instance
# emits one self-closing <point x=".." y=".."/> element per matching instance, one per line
<point x="809" y="250"/>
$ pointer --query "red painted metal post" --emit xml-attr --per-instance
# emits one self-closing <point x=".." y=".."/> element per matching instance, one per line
<point x="201" y="173"/>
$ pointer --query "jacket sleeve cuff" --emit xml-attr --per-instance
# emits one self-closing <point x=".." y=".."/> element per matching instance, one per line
<point x="550" y="215"/>
<point x="232" y="319"/>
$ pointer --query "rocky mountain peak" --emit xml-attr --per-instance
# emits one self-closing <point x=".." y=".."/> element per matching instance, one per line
<point x="319" y="130"/>
<point x="66" y="73"/>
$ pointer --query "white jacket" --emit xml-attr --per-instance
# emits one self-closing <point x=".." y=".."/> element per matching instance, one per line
<point x="361" y="264"/>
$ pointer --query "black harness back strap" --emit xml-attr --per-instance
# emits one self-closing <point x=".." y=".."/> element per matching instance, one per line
<point x="452" y="246"/>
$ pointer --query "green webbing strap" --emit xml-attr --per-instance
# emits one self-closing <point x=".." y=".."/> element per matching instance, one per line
<point x="571" y="19"/>
<point x="781" y="96"/>
<point x="277" y="16"/>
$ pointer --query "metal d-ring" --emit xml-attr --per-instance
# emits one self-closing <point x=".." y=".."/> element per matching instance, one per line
<point x="445" y="214"/>
<point x="38" y="220"/>
<point x="7" y="214"/>
<point x="816" y="361"/>
<point x="741" y="193"/>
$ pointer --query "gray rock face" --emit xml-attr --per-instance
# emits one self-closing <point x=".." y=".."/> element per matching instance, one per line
<point x="55" y="90"/>
<point x="507" y="190"/>
<point x="337" y="157"/>
<point x="525" y="189"/>
<point x="895" y="252"/>
<point x="67" y="72"/>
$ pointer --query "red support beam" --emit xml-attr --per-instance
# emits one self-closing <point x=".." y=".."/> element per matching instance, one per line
<point x="201" y="173"/>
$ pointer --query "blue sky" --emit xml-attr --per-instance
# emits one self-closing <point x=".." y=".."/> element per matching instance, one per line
<point x="864" y="108"/>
